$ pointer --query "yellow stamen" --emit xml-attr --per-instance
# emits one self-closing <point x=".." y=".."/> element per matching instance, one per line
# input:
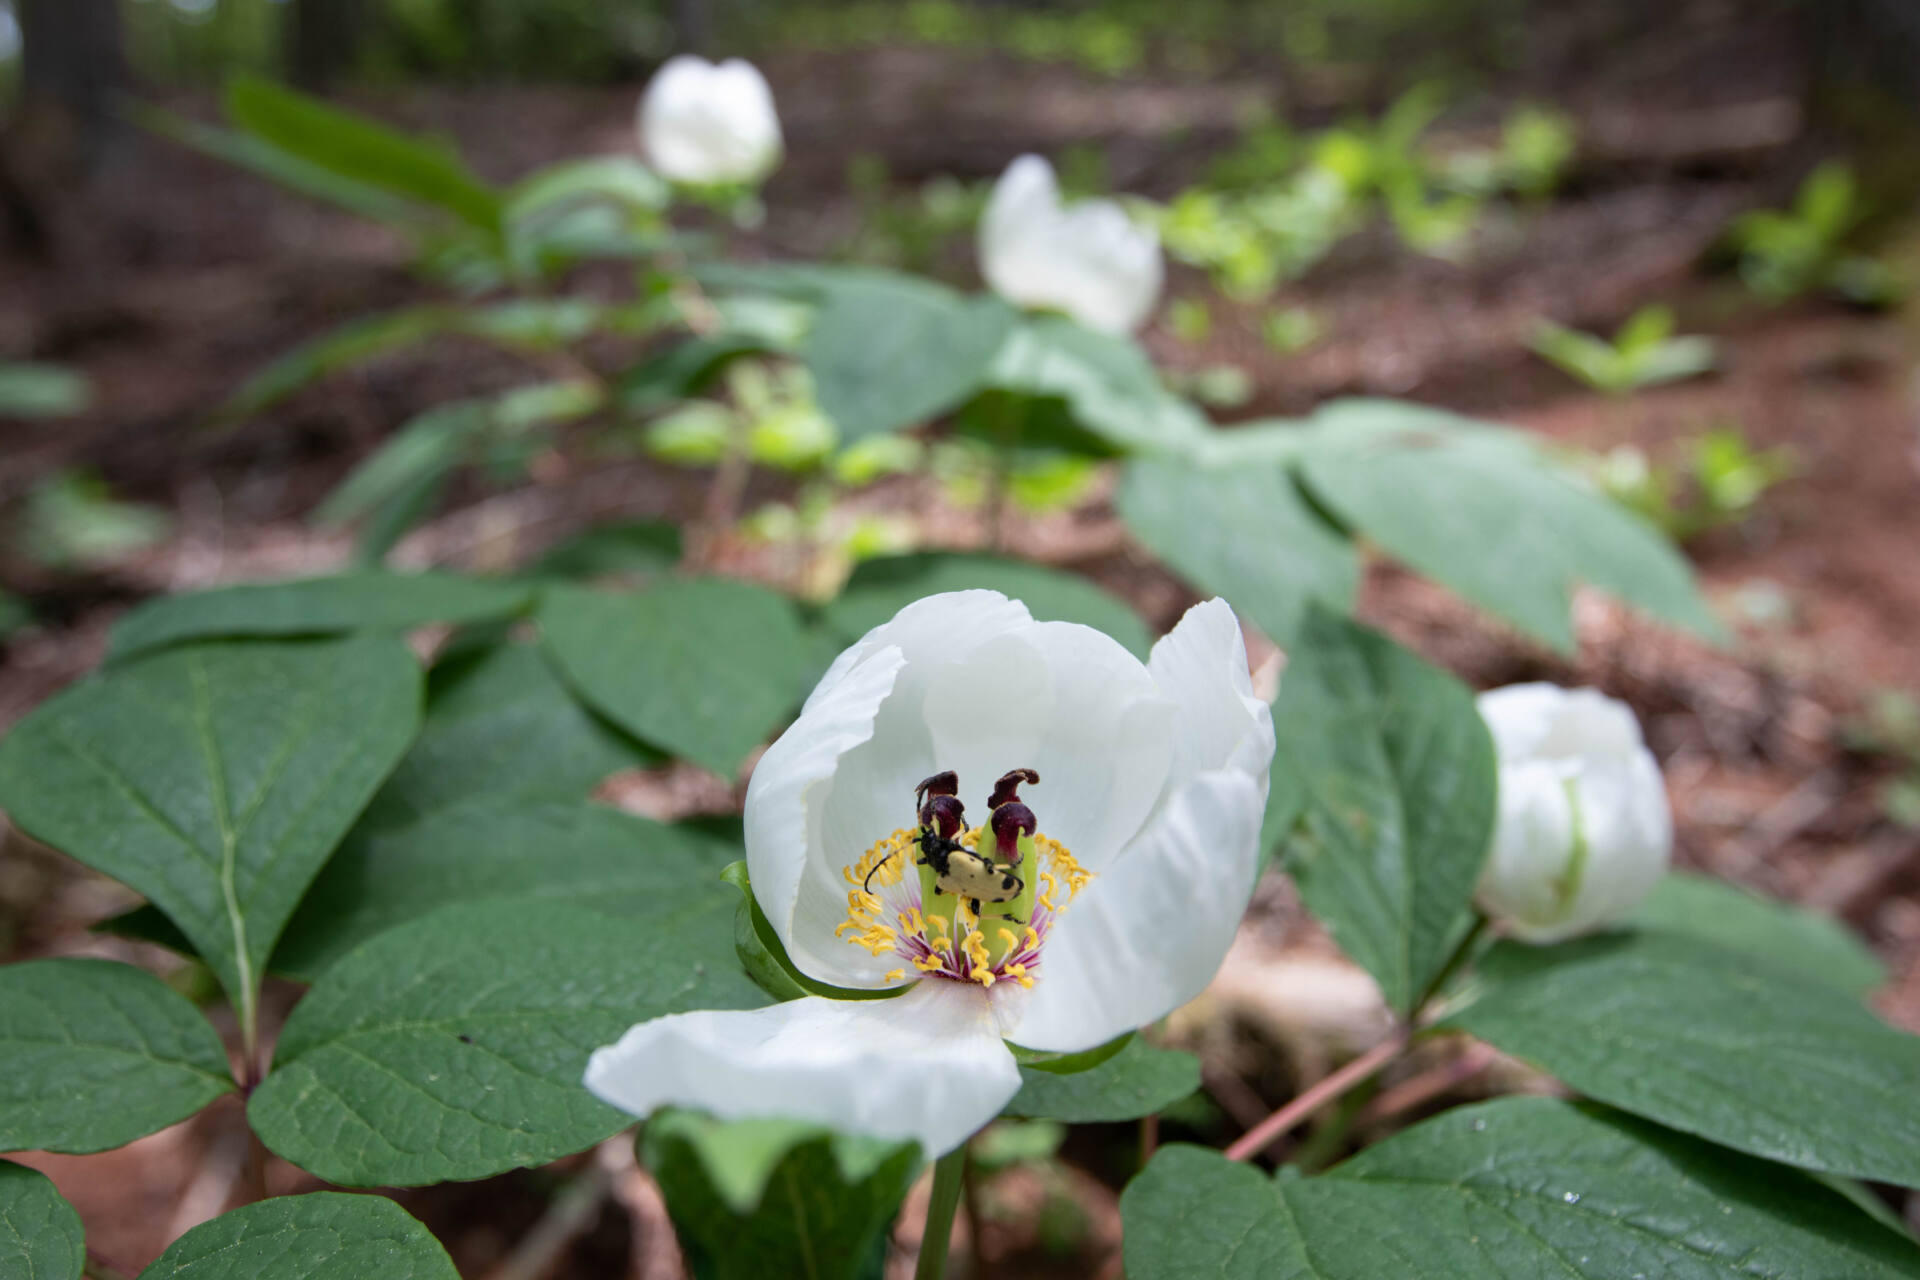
<point x="894" y="975"/>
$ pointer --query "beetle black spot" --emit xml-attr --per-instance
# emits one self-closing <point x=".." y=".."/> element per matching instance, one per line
<point x="466" y="1039"/>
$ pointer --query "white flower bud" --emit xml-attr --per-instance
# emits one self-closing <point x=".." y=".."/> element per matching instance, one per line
<point x="1583" y="832"/>
<point x="1090" y="261"/>
<point x="706" y="123"/>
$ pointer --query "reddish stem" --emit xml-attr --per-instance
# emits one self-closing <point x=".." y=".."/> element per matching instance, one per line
<point x="1310" y="1100"/>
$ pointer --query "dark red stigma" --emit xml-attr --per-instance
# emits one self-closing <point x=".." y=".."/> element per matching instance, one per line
<point x="945" y="814"/>
<point x="1007" y="789"/>
<point x="945" y="783"/>
<point x="1009" y="822"/>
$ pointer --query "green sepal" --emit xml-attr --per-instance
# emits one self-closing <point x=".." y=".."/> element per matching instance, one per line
<point x="1067" y="1064"/>
<point x="766" y="959"/>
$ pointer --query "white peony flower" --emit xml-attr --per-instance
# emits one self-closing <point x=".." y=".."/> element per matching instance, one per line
<point x="1583" y="832"/>
<point x="1091" y="261"/>
<point x="702" y="122"/>
<point x="1124" y="799"/>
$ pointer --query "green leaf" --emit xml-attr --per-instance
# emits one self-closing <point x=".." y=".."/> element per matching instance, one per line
<point x="500" y="724"/>
<point x="1714" y="1042"/>
<point x="637" y="548"/>
<point x="702" y="667"/>
<point x="1138" y="1081"/>
<point x="1398" y="774"/>
<point x="358" y="149"/>
<point x="256" y="156"/>
<point x="41" y="391"/>
<point x="683" y="371"/>
<point x="1485" y="514"/>
<point x="891" y="352"/>
<point x="532" y="325"/>
<point x="400" y="483"/>
<point x="323" y="1236"/>
<point x="1244" y="532"/>
<point x="366" y="601"/>
<point x="453" y="1047"/>
<point x="1813" y="945"/>
<point x="757" y="1198"/>
<point x="40" y="1234"/>
<point x="1107" y="383"/>
<point x="98" y="1054"/>
<point x="882" y="587"/>
<point x="215" y="779"/>
<point x="517" y="848"/>
<point x="1520" y="1187"/>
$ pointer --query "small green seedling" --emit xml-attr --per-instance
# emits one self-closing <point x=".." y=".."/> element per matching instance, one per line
<point x="1785" y="254"/>
<point x="1719" y="481"/>
<point x="1644" y="353"/>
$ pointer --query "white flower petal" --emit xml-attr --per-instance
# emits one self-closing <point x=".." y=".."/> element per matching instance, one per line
<point x="1201" y="667"/>
<point x="1071" y="704"/>
<point x="856" y="789"/>
<point x="1149" y="933"/>
<point x="928" y="1065"/>
<point x="782" y="819"/>
<point x="1091" y="261"/>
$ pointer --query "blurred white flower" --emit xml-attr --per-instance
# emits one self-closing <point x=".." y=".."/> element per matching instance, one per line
<point x="1155" y="776"/>
<point x="1090" y="261"/>
<point x="704" y="123"/>
<point x="1583" y="832"/>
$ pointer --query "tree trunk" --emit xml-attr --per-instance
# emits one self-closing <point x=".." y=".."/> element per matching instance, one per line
<point x="324" y="39"/>
<point x="692" y="27"/>
<point x="71" y="61"/>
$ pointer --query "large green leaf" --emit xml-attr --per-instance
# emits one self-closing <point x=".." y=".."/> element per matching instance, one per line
<point x="1816" y="946"/>
<point x="1138" y="1081"/>
<point x="1243" y="532"/>
<point x="1107" y="383"/>
<point x="454" y="1046"/>
<point x="500" y="728"/>
<point x="360" y="150"/>
<point x="370" y="600"/>
<point x="323" y="1236"/>
<point x="701" y="667"/>
<point x="1398" y="775"/>
<point x="216" y="778"/>
<point x="1491" y="518"/>
<point x="1715" y="1042"/>
<point x="500" y="724"/>
<point x="1525" y="1187"/>
<point x="98" y="1054"/>
<point x="756" y="1198"/>
<point x="890" y="352"/>
<point x="40" y="1234"/>
<point x="881" y="588"/>
<point x="521" y="849"/>
<point x="628" y="549"/>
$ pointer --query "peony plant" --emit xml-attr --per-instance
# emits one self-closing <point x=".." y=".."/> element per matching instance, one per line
<point x="1151" y="779"/>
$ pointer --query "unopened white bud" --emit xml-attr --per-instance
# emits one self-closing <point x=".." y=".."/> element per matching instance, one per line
<point x="1583" y="832"/>
<point x="706" y="124"/>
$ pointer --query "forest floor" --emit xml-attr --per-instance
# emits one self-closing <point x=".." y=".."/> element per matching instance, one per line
<point x="181" y="278"/>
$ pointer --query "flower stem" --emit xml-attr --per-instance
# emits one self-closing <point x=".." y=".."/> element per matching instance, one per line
<point x="949" y="1172"/>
